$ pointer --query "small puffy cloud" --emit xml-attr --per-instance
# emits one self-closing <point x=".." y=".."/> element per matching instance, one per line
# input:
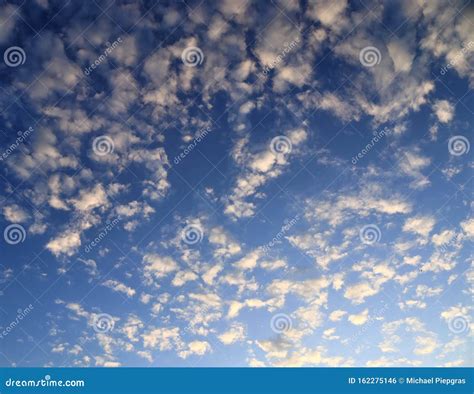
<point x="8" y="18"/>
<point x="157" y="266"/>
<point x="258" y="169"/>
<point x="15" y="214"/>
<point x="390" y="345"/>
<point x="421" y="225"/>
<point x="412" y="163"/>
<point x="115" y="285"/>
<point x="402" y="55"/>
<point x="455" y="311"/>
<point x="443" y="110"/>
<point x="329" y="334"/>
<point x="359" y="319"/>
<point x="423" y="291"/>
<point x="443" y="238"/>
<point x="337" y="315"/>
<point x="210" y="275"/>
<point x="468" y="227"/>
<point x="225" y="245"/>
<point x="272" y="265"/>
<point x="328" y="13"/>
<point x="425" y="345"/>
<point x="162" y="338"/>
<point x="249" y="262"/>
<point x="236" y="333"/>
<point x="65" y="244"/>
<point x="90" y="199"/>
<point x="91" y="267"/>
<point x="132" y="327"/>
<point x="182" y="277"/>
<point x="198" y="348"/>
<point x="372" y="282"/>
<point x="134" y="208"/>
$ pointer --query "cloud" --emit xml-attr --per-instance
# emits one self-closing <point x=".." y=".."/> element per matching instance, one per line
<point x="329" y="13"/>
<point x="402" y="55"/>
<point x="8" y="18"/>
<point x="157" y="267"/>
<point x="411" y="163"/>
<point x="443" y="110"/>
<point x="90" y="199"/>
<point x="260" y="168"/>
<point x="236" y="333"/>
<point x="119" y="287"/>
<point x="372" y="281"/>
<point x="15" y="214"/>
<point x="249" y="262"/>
<point x="198" y="348"/>
<point x="468" y="227"/>
<point x="162" y="338"/>
<point x="425" y="345"/>
<point x="359" y="319"/>
<point x="182" y="277"/>
<point x="65" y="244"/>
<point x="421" y="225"/>
<point x="337" y="315"/>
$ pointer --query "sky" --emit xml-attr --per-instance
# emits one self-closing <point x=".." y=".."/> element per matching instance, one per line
<point x="236" y="183"/>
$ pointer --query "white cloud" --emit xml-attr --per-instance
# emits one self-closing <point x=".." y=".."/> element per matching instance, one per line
<point x="468" y="227"/>
<point x="66" y="243"/>
<point x="198" y="348"/>
<point x="425" y="345"/>
<point x="249" y="262"/>
<point x="236" y="333"/>
<point x="402" y="55"/>
<point x="421" y="225"/>
<point x="443" y="110"/>
<point x="162" y="338"/>
<point x="337" y="315"/>
<point x="15" y="214"/>
<point x="90" y="199"/>
<point x="119" y="287"/>
<point x="182" y="277"/>
<point x="359" y="319"/>
<point x="157" y="267"/>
